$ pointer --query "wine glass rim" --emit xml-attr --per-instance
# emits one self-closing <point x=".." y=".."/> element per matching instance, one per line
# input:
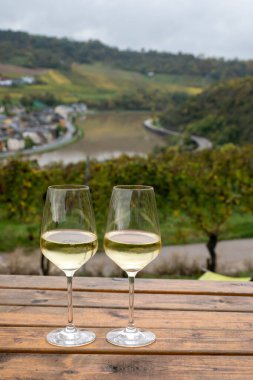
<point x="68" y="187"/>
<point x="133" y="187"/>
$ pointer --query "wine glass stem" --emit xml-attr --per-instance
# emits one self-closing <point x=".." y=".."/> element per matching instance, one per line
<point x="131" y="303"/>
<point x="70" y="304"/>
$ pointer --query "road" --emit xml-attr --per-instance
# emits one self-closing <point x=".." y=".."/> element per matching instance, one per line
<point x="202" y="142"/>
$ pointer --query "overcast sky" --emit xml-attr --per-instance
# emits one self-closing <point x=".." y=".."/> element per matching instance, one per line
<point x="222" y="28"/>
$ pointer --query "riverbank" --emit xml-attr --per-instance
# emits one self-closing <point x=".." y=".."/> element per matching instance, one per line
<point x="27" y="133"/>
<point x="201" y="142"/>
<point x="72" y="135"/>
<point x="107" y="135"/>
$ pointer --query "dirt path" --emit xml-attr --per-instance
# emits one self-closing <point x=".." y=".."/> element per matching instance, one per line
<point x="233" y="256"/>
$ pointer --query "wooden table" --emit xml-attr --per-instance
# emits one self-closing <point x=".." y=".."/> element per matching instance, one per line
<point x="204" y="329"/>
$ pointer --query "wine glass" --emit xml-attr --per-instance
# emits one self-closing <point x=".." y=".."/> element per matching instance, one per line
<point x="132" y="240"/>
<point x="69" y="240"/>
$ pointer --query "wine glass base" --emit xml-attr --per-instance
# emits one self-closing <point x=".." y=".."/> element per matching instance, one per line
<point x="70" y="337"/>
<point x="130" y="337"/>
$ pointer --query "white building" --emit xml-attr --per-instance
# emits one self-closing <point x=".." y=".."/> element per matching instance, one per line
<point x="79" y="107"/>
<point x="48" y="136"/>
<point x="28" y="80"/>
<point x="63" y="111"/>
<point x="6" y="82"/>
<point x="15" y="144"/>
<point x="33" y="136"/>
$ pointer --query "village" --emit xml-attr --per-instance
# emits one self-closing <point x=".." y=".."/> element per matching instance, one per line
<point x="11" y="82"/>
<point x="37" y="130"/>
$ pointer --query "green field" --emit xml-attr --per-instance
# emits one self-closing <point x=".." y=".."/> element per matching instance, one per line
<point x="97" y="82"/>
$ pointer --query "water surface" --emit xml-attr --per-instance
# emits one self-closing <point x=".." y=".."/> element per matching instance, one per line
<point x="106" y="135"/>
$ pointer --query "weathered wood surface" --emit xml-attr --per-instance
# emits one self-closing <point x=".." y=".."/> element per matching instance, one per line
<point x="117" y="285"/>
<point x="122" y="367"/>
<point x="101" y="317"/>
<point x="169" y="341"/>
<point x="56" y="298"/>
<point x="204" y="330"/>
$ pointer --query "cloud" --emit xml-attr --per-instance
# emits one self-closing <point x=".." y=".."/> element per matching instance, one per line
<point x="210" y="27"/>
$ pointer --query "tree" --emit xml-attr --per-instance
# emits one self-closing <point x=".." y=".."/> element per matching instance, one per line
<point x="7" y="103"/>
<point x="208" y="186"/>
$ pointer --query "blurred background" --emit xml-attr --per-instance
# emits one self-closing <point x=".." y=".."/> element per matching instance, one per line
<point x="114" y="92"/>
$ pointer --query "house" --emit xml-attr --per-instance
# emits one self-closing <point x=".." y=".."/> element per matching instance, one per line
<point x="2" y="144"/>
<point x="2" y="118"/>
<point x="79" y="107"/>
<point x="34" y="136"/>
<point x="63" y="111"/>
<point x="63" y="123"/>
<point x="6" y="82"/>
<point x="15" y="144"/>
<point x="48" y="136"/>
<point x="10" y="126"/>
<point x="28" y="80"/>
<point x="17" y="110"/>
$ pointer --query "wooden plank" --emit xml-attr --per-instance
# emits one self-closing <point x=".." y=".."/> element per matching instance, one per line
<point x="122" y="367"/>
<point x="94" y="284"/>
<point x="26" y="297"/>
<point x="169" y="341"/>
<point x="99" y="317"/>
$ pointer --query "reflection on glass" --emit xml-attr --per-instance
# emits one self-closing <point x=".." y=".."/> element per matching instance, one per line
<point x="132" y="240"/>
<point x="69" y="240"/>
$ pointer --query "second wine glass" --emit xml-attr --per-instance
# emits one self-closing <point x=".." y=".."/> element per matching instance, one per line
<point x="132" y="241"/>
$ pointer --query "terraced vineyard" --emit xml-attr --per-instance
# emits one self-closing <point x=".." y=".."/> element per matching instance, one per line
<point x="96" y="82"/>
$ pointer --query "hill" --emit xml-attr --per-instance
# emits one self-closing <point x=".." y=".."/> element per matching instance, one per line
<point x="23" y="49"/>
<point x="223" y="113"/>
<point x="102" y="86"/>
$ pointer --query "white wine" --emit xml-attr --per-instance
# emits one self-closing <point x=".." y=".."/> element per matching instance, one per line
<point x="132" y="250"/>
<point x="68" y="249"/>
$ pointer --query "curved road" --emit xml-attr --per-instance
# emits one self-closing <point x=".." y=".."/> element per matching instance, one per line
<point x="202" y="142"/>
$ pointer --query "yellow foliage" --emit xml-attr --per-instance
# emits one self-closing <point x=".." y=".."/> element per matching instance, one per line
<point x="56" y="77"/>
<point x="97" y="76"/>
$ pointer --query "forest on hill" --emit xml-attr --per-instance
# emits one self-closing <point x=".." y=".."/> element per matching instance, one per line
<point x="223" y="113"/>
<point x="23" y="49"/>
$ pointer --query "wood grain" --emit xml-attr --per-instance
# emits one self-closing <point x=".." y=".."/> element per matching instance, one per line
<point x="169" y="341"/>
<point x="29" y="297"/>
<point x="122" y="367"/>
<point x="99" y="317"/>
<point x="116" y="285"/>
<point x="204" y="330"/>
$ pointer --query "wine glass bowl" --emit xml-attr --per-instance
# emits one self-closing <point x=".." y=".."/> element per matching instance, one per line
<point x="132" y="240"/>
<point x="68" y="249"/>
<point x="132" y="250"/>
<point x="68" y="240"/>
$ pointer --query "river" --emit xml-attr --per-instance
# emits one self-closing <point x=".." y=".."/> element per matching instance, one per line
<point x="106" y="135"/>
